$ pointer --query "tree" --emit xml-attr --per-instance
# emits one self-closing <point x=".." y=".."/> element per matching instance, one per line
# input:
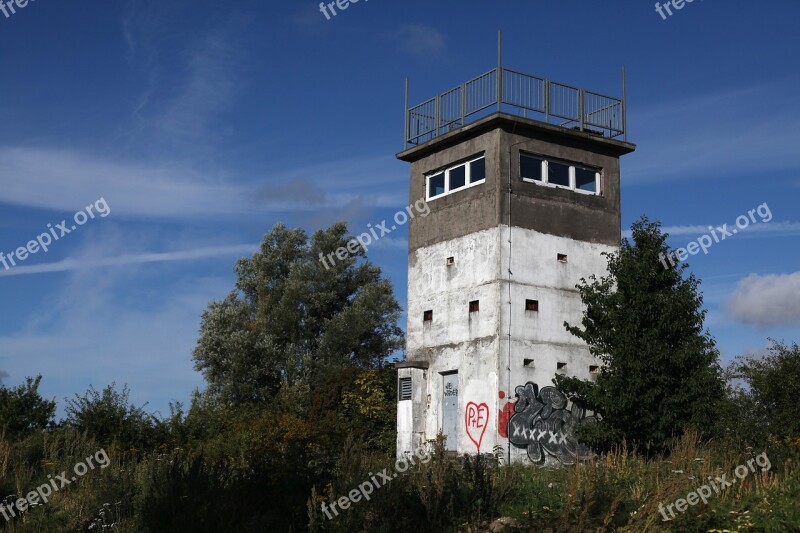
<point x="108" y="416"/>
<point x="661" y="373"/>
<point x="292" y="318"/>
<point x="23" y="410"/>
<point x="767" y="406"/>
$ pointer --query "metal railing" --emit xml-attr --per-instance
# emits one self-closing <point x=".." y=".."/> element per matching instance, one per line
<point x="523" y="94"/>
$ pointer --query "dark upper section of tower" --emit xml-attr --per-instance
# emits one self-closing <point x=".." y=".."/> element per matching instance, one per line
<point x="544" y="157"/>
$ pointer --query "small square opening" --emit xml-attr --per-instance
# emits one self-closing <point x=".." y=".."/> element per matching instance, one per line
<point x="594" y="369"/>
<point x="531" y="305"/>
<point x="474" y="306"/>
<point x="427" y="316"/>
<point x="450" y="261"/>
<point x="561" y="366"/>
<point x="562" y="258"/>
<point x="527" y="362"/>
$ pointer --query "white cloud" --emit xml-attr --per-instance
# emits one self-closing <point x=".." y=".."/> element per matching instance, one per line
<point x="733" y="132"/>
<point x="66" y="181"/>
<point x="777" y="229"/>
<point x="71" y="264"/>
<point x="419" y="40"/>
<point x="94" y="332"/>
<point x="768" y="300"/>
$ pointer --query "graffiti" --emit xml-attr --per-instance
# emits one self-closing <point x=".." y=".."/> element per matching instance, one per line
<point x="449" y="390"/>
<point x="476" y="419"/>
<point x="503" y="416"/>
<point x="543" y="424"/>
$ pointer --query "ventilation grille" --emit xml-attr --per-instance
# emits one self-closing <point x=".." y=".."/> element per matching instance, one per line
<point x="405" y="389"/>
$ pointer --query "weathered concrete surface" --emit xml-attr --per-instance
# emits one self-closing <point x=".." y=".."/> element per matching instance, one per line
<point x="472" y="226"/>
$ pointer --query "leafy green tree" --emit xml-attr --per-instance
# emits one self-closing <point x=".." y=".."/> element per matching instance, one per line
<point x="23" y="410"/>
<point x="766" y="406"/>
<point x="108" y="416"/>
<point x="661" y="373"/>
<point x="292" y="319"/>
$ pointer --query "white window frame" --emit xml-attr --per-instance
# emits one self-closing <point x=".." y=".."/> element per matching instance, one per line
<point x="467" y="175"/>
<point x="572" y="181"/>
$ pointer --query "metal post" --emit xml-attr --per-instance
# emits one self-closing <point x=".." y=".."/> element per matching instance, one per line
<point x="546" y="84"/>
<point x="437" y="103"/>
<point x="463" y="103"/>
<point x="405" y="119"/>
<point x="581" y="105"/>
<point x="499" y="70"/>
<point x="624" y="106"/>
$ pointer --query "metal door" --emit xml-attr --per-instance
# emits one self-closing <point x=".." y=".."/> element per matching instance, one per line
<point x="450" y="410"/>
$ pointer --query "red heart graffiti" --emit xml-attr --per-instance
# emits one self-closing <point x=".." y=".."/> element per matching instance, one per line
<point x="476" y="418"/>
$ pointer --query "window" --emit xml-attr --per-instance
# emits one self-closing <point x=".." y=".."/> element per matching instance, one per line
<point x="450" y="261"/>
<point x="559" y="174"/>
<point x="531" y="305"/>
<point x="477" y="170"/>
<point x="527" y="362"/>
<point x="562" y="258"/>
<point x="530" y="168"/>
<point x="474" y="306"/>
<point x="427" y="316"/>
<point x="594" y="369"/>
<point x="404" y="389"/>
<point x="457" y="177"/>
<point x="586" y="179"/>
<point x="436" y="185"/>
<point x="561" y="366"/>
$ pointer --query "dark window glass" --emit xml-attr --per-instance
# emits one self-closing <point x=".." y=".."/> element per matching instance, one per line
<point x="436" y="185"/>
<point x="458" y="177"/>
<point x="558" y="173"/>
<point x="530" y="167"/>
<point x="585" y="179"/>
<point x="477" y="170"/>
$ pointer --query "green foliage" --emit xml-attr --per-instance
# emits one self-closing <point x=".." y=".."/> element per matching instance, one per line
<point x="107" y="416"/>
<point x="291" y="319"/>
<point x="645" y="322"/>
<point x="764" y="393"/>
<point x="23" y="410"/>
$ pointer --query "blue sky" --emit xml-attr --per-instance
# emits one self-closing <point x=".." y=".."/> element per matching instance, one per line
<point x="203" y="123"/>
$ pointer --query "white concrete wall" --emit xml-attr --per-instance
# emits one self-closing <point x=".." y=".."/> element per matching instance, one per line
<point x="476" y="344"/>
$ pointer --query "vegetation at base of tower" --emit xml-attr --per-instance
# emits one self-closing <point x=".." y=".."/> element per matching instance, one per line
<point x="295" y="417"/>
<point x="661" y="373"/>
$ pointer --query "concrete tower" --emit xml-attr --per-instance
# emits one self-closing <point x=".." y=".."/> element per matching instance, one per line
<point x="524" y="196"/>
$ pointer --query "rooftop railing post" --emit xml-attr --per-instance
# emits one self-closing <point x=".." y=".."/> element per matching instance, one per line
<point x="624" y="110"/>
<point x="581" y="105"/>
<point x="546" y="101"/>
<point x="437" y="115"/>
<point x="463" y="99"/>
<point x="405" y="119"/>
<point x="499" y="70"/>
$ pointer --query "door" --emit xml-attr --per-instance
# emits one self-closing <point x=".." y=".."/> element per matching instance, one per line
<point x="450" y="410"/>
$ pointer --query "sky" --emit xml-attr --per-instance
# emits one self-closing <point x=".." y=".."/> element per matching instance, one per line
<point x="191" y="128"/>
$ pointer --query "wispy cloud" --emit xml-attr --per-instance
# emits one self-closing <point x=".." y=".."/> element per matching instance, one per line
<point x="191" y="79"/>
<point x="769" y="300"/>
<point x="733" y="132"/>
<point x="70" y="264"/>
<point x="772" y="229"/>
<point x="419" y="40"/>
<point x="65" y="180"/>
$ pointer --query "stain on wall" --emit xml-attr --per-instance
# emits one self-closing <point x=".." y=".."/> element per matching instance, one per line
<point x="544" y="426"/>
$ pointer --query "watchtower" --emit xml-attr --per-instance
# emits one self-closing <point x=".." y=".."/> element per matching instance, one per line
<point x="522" y="177"/>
